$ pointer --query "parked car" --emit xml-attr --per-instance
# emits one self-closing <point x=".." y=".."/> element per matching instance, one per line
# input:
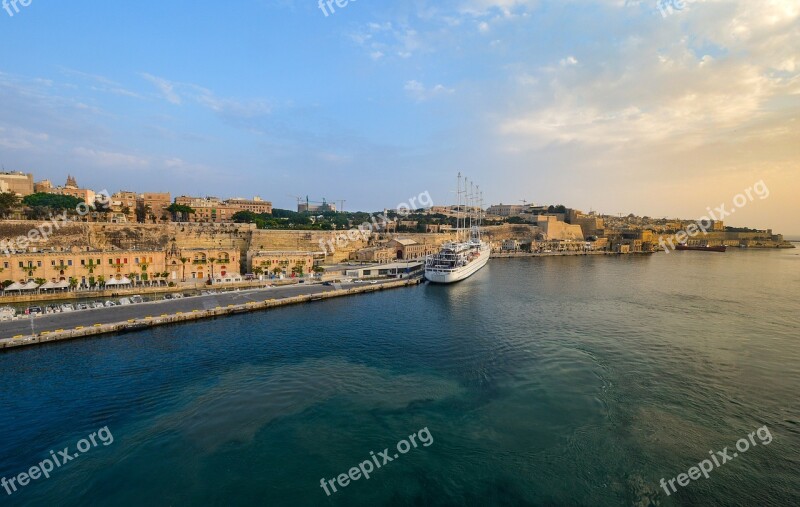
<point x="33" y="310"/>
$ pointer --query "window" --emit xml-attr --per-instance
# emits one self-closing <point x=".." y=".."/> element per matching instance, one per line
<point x="126" y="260"/>
<point x="83" y="262"/>
<point x="110" y="261"/>
<point x="69" y="262"/>
<point x="5" y="265"/>
<point x="20" y="264"/>
<point x="136" y="260"/>
<point x="39" y="264"/>
<point x="52" y="263"/>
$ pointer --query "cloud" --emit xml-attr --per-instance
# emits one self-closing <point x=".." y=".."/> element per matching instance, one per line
<point x="107" y="159"/>
<point x="166" y="88"/>
<point x="420" y="93"/>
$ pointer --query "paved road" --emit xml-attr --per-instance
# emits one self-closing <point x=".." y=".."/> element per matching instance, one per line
<point x="87" y="318"/>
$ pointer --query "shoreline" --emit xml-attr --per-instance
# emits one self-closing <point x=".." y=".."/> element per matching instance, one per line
<point x="137" y="324"/>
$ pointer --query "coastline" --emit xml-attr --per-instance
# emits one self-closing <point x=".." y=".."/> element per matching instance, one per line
<point x="137" y="324"/>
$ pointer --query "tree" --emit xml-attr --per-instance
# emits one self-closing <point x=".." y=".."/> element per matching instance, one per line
<point x="244" y="217"/>
<point x="51" y="201"/>
<point x="212" y="260"/>
<point x="184" y="260"/>
<point x="8" y="201"/>
<point x="180" y="209"/>
<point x="73" y="282"/>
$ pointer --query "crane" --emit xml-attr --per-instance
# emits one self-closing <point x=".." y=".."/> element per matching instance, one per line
<point x="341" y="203"/>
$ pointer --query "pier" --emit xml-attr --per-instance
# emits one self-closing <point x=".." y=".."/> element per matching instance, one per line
<point x="120" y="319"/>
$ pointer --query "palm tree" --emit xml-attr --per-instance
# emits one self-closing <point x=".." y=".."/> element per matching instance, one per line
<point x="101" y="280"/>
<point x="277" y="271"/>
<point x="73" y="282"/>
<point x="91" y="266"/>
<point x="184" y="260"/>
<point x="212" y="260"/>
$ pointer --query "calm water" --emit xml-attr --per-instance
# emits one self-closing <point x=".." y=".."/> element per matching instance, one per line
<point x="555" y="381"/>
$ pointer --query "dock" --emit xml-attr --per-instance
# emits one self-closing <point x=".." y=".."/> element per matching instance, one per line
<point x="122" y="319"/>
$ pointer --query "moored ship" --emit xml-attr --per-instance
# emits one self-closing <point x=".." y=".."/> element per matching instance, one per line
<point x="702" y="248"/>
<point x="461" y="258"/>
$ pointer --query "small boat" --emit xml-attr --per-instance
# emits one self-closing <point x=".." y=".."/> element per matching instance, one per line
<point x="136" y="299"/>
<point x="83" y="306"/>
<point x="67" y="307"/>
<point x="97" y="304"/>
<point x="124" y="301"/>
<point x="109" y="304"/>
<point x="702" y="248"/>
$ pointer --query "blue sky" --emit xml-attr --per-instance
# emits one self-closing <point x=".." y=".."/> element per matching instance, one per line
<point x="597" y="104"/>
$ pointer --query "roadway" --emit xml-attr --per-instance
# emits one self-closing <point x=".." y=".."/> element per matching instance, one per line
<point x="87" y="318"/>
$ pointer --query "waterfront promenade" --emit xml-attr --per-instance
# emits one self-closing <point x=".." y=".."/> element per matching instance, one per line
<point x="84" y="323"/>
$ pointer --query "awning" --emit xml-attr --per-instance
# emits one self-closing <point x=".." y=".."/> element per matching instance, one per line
<point x="15" y="286"/>
<point x="30" y="286"/>
<point x="49" y="285"/>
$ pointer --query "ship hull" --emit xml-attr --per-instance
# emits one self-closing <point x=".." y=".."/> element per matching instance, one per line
<point x="457" y="274"/>
<point x="721" y="248"/>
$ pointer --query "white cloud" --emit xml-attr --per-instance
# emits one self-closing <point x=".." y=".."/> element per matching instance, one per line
<point x="420" y="93"/>
<point x="166" y="88"/>
<point x="107" y="159"/>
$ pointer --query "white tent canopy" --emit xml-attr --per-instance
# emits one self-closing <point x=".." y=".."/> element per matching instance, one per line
<point x="123" y="281"/>
<point x="15" y="286"/>
<point x="30" y="286"/>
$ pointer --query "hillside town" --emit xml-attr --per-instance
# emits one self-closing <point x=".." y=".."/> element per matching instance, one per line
<point x="150" y="241"/>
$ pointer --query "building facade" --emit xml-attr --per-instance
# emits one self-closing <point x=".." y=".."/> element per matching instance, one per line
<point x="17" y="183"/>
<point x="292" y="263"/>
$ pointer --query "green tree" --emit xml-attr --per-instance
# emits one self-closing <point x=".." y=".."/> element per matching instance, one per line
<point x="212" y="260"/>
<point x="180" y="213"/>
<point x="184" y="260"/>
<point x="244" y="217"/>
<point x="8" y="202"/>
<point x="54" y="202"/>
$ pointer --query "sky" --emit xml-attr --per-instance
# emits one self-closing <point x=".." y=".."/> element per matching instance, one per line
<point x="608" y="105"/>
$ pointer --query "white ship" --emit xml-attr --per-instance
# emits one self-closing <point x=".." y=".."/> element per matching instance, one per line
<point x="463" y="257"/>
